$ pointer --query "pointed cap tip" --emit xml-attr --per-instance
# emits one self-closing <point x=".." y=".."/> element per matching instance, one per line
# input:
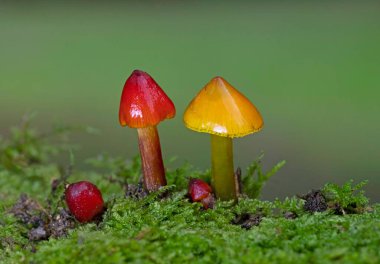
<point x="218" y="79"/>
<point x="138" y="73"/>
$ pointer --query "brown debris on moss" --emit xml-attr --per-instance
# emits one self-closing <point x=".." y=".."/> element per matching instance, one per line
<point x="38" y="233"/>
<point x="61" y="223"/>
<point x="41" y="224"/>
<point x="135" y="191"/>
<point x="290" y="215"/>
<point x="247" y="220"/>
<point x="29" y="211"/>
<point x="315" y="201"/>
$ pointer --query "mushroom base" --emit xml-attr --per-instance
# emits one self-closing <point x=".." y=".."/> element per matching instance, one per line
<point x="151" y="158"/>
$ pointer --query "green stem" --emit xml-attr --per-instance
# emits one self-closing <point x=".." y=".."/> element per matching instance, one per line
<point x="222" y="169"/>
<point x="151" y="158"/>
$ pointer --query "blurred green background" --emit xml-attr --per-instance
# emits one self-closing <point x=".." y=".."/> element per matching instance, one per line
<point x="311" y="68"/>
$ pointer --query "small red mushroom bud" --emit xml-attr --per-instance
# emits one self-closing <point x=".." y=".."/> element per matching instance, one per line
<point x="84" y="200"/>
<point x="200" y="191"/>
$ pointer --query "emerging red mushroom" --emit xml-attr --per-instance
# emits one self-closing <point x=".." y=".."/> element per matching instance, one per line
<point x="84" y="200"/>
<point x="143" y="106"/>
<point x="200" y="191"/>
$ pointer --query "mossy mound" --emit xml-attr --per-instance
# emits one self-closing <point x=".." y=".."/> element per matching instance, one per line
<point x="164" y="227"/>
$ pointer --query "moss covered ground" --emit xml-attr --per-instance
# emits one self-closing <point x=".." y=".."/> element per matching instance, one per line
<point x="335" y="224"/>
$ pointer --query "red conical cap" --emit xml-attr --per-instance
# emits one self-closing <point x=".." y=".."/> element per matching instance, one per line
<point x="143" y="102"/>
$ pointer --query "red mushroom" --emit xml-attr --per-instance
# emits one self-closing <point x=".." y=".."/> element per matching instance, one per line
<point x="84" y="200"/>
<point x="143" y="105"/>
<point x="200" y="191"/>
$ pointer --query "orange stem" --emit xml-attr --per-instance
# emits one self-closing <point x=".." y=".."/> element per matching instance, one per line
<point x="151" y="158"/>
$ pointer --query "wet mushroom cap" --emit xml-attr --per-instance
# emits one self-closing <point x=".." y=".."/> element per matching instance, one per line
<point x="199" y="190"/>
<point x="222" y="110"/>
<point x="84" y="200"/>
<point x="143" y="102"/>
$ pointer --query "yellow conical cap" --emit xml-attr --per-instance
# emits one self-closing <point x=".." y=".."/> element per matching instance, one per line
<point x="222" y="110"/>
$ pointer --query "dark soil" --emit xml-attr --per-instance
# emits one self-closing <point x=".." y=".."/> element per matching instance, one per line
<point x="247" y="221"/>
<point x="41" y="223"/>
<point x="61" y="223"/>
<point x="29" y="211"/>
<point x="315" y="201"/>
<point x="135" y="191"/>
<point x="290" y="215"/>
<point x="39" y="233"/>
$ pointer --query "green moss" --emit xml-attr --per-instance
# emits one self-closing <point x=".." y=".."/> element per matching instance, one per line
<point x="347" y="198"/>
<point x="254" y="179"/>
<point x="176" y="231"/>
<point x="169" y="229"/>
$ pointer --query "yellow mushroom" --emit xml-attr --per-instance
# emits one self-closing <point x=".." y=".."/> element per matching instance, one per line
<point x="222" y="111"/>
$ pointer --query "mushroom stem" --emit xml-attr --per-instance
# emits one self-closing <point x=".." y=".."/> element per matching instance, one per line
<point x="151" y="158"/>
<point x="222" y="169"/>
